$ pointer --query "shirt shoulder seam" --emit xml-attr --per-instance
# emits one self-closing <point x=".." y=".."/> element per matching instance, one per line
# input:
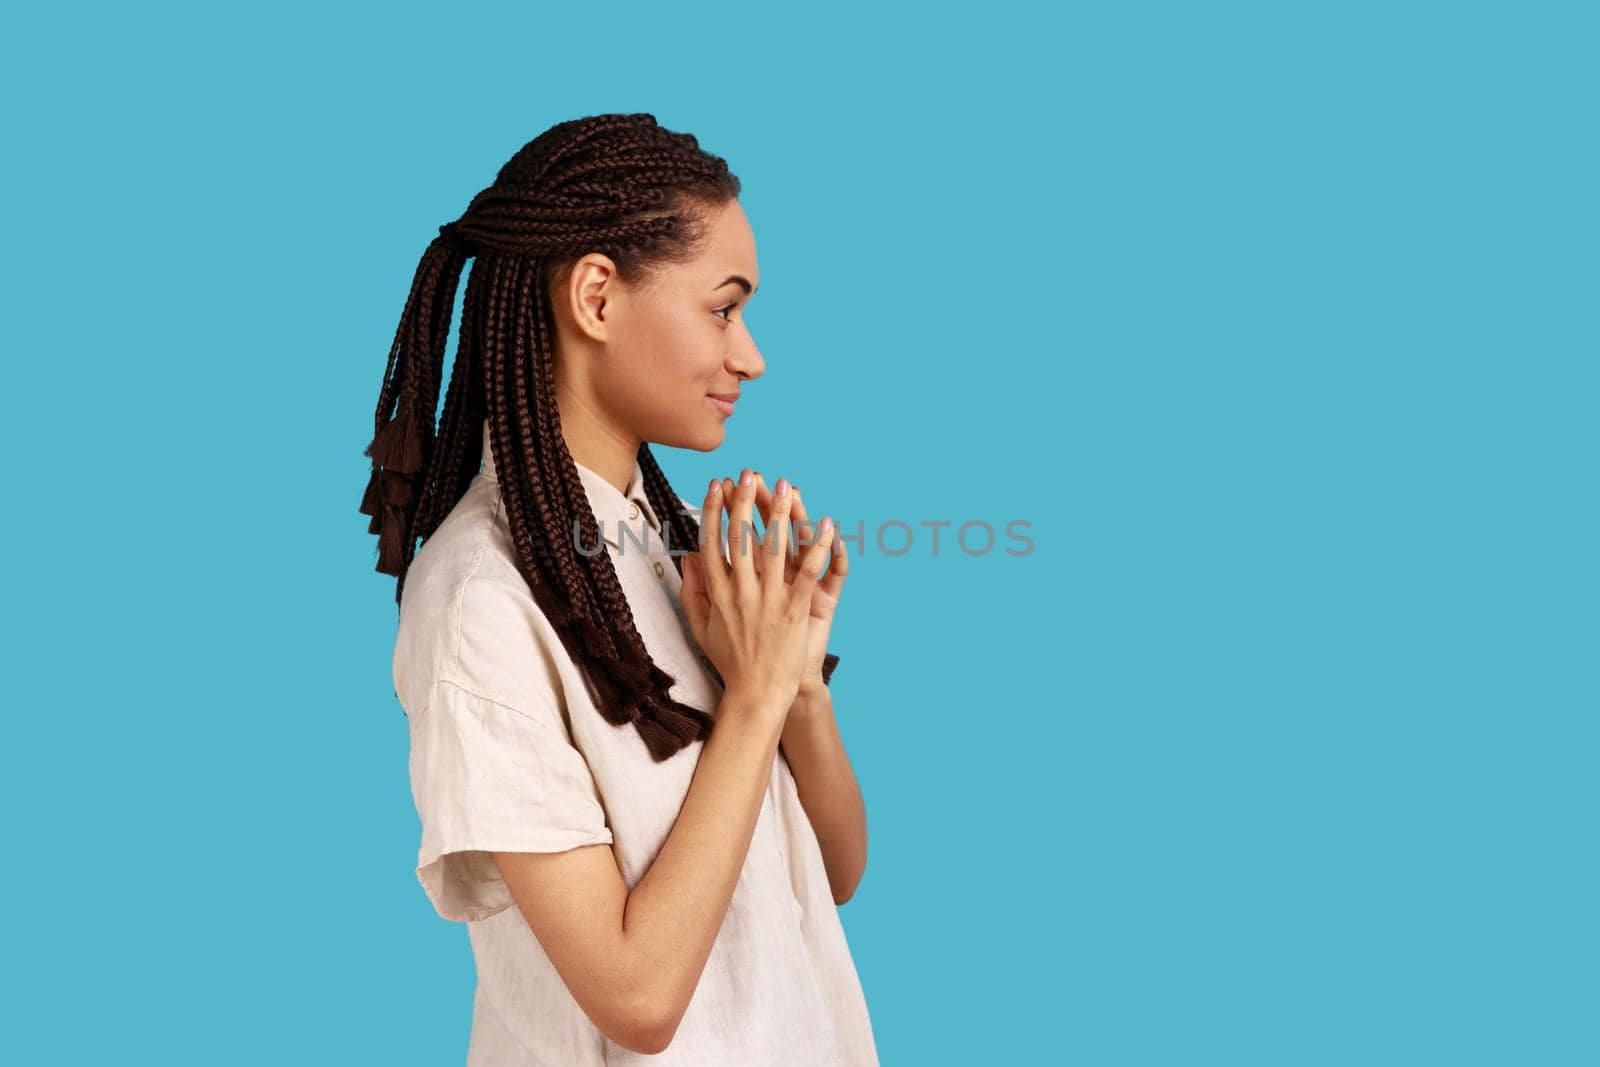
<point x="473" y="691"/>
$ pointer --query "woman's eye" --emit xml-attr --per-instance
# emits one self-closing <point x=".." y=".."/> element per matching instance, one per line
<point x="720" y="310"/>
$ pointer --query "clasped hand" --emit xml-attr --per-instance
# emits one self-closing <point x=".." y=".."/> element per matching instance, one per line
<point x="723" y="594"/>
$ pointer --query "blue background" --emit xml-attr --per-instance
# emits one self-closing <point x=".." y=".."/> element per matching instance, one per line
<point x="1276" y="322"/>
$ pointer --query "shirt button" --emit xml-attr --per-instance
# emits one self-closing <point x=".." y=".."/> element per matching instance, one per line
<point x="660" y="570"/>
<point x="633" y="511"/>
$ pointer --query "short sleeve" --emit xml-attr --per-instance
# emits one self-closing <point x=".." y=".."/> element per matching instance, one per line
<point x="486" y="778"/>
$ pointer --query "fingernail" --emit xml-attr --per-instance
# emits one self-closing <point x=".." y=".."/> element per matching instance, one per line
<point x="782" y="487"/>
<point x="827" y="523"/>
<point x="744" y="476"/>
<point x="716" y="483"/>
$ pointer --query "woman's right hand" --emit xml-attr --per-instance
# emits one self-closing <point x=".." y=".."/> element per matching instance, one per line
<point x="752" y="623"/>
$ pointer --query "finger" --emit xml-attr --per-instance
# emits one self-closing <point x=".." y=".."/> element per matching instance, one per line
<point x="805" y="531"/>
<point x="776" y="545"/>
<point x="729" y="487"/>
<point x="713" y="571"/>
<point x="840" y="567"/>
<point x="692" y="595"/>
<point x="764" y="500"/>
<point x="816" y="557"/>
<point x="742" y="542"/>
<point x="764" y="507"/>
<point x="763" y="497"/>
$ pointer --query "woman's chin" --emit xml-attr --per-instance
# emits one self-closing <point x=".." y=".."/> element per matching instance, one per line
<point x="714" y="439"/>
<point x="698" y="438"/>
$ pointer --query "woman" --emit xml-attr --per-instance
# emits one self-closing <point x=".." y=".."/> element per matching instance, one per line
<point x="628" y="773"/>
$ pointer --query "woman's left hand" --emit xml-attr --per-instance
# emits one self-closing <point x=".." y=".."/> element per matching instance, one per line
<point x="826" y="599"/>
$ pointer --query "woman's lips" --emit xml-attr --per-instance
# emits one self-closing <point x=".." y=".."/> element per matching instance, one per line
<point x="721" y="405"/>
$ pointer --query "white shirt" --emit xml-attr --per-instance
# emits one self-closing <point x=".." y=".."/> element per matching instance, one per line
<point x="509" y="754"/>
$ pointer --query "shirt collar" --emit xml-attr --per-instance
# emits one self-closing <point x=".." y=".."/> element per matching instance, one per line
<point x="613" y="509"/>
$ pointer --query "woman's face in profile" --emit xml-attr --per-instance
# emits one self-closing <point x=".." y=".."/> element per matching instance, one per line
<point x="653" y="359"/>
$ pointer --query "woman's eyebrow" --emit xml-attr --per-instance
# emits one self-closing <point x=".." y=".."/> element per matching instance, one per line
<point x="744" y="283"/>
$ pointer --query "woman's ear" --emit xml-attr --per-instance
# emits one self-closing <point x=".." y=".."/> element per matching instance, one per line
<point x="591" y="286"/>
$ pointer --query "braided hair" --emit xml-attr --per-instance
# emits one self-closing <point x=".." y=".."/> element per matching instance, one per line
<point x="619" y="184"/>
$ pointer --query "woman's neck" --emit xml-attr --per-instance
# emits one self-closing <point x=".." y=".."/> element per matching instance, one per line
<point x="596" y="443"/>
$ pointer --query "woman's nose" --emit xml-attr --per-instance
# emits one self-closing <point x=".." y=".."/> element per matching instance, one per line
<point x="746" y="361"/>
